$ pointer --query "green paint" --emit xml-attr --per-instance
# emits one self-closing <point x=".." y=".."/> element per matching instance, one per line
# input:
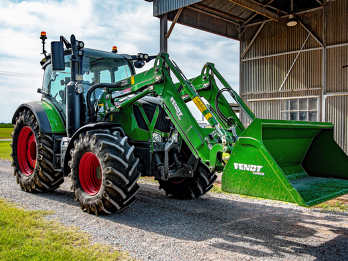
<point x="151" y="125"/>
<point x="56" y="122"/>
<point x="215" y="150"/>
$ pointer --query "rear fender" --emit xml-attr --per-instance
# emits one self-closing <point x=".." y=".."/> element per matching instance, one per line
<point x="47" y="116"/>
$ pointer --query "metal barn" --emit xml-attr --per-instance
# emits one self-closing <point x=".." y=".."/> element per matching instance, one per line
<point x="293" y="54"/>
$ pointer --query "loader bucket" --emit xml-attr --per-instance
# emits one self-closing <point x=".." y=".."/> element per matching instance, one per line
<point x="290" y="161"/>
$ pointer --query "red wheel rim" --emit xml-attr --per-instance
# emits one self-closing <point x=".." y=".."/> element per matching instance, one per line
<point x="90" y="174"/>
<point x="26" y="151"/>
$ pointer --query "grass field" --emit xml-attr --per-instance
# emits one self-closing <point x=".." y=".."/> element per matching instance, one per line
<point x="25" y="235"/>
<point x="6" y="125"/>
<point x="5" y="150"/>
<point x="5" y="131"/>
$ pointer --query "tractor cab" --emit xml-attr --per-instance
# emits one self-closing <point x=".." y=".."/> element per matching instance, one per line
<point x="95" y="67"/>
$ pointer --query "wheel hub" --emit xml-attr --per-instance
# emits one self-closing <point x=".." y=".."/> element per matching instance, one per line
<point x="90" y="173"/>
<point x="26" y="151"/>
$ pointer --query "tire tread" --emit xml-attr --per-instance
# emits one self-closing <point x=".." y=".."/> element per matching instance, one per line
<point x="44" y="178"/>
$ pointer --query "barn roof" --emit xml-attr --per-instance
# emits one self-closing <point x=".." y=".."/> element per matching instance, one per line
<point x="229" y="17"/>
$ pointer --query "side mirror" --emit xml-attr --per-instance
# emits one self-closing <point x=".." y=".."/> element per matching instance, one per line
<point x="57" y="56"/>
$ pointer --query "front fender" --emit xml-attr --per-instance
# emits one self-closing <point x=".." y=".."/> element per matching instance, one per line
<point x="46" y="115"/>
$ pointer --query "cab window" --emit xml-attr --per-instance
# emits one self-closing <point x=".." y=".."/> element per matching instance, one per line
<point x="55" y="81"/>
<point x="103" y="70"/>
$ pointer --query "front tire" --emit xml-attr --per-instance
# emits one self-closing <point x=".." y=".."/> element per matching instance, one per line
<point x="189" y="188"/>
<point x="103" y="171"/>
<point x="32" y="155"/>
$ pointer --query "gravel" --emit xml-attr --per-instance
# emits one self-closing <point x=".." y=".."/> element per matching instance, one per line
<point x="214" y="227"/>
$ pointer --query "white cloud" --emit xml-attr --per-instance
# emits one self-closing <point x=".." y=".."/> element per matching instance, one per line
<point x="100" y="24"/>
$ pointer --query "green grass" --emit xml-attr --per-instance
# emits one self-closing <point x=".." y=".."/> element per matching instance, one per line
<point x="25" y="235"/>
<point x="5" y="133"/>
<point x="217" y="189"/>
<point x="5" y="150"/>
<point x="333" y="205"/>
<point x="6" y="125"/>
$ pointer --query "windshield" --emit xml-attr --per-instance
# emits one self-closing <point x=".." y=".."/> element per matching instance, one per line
<point x="105" y="70"/>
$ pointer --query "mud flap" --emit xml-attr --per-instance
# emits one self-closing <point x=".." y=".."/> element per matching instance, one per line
<point x="290" y="161"/>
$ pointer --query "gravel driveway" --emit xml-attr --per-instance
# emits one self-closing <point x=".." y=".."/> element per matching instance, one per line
<point x="215" y="227"/>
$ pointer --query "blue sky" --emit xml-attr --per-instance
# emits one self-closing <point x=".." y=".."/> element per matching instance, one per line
<point x="100" y="24"/>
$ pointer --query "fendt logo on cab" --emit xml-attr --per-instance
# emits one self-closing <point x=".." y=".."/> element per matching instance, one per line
<point x="177" y="109"/>
<point x="255" y="169"/>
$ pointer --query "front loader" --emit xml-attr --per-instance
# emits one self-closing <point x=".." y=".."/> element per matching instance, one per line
<point x="104" y="126"/>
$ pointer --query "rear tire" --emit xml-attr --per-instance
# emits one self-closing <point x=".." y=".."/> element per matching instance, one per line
<point x="103" y="172"/>
<point x="32" y="155"/>
<point x="189" y="188"/>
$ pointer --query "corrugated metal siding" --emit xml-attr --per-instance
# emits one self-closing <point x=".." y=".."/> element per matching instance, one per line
<point x="262" y="110"/>
<point x="271" y="109"/>
<point x="337" y="80"/>
<point x="268" y="74"/>
<point x="337" y="33"/>
<point x="277" y="37"/>
<point x="336" y="112"/>
<point x="229" y="8"/>
<point x="205" y="22"/>
<point x="337" y="22"/>
<point x="165" y="6"/>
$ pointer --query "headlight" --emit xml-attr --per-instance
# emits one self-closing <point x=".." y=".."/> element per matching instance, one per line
<point x="175" y="137"/>
<point x="156" y="137"/>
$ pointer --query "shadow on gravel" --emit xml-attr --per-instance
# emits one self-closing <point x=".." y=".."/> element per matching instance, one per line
<point x="234" y="226"/>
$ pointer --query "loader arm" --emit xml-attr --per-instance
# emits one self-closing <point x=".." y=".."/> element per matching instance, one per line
<point x="218" y="103"/>
<point x="208" y="144"/>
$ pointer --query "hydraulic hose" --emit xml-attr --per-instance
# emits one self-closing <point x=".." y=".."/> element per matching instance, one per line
<point x="222" y="116"/>
<point x="90" y="109"/>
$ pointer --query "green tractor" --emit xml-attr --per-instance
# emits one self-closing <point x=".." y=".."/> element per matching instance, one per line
<point x="103" y="126"/>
